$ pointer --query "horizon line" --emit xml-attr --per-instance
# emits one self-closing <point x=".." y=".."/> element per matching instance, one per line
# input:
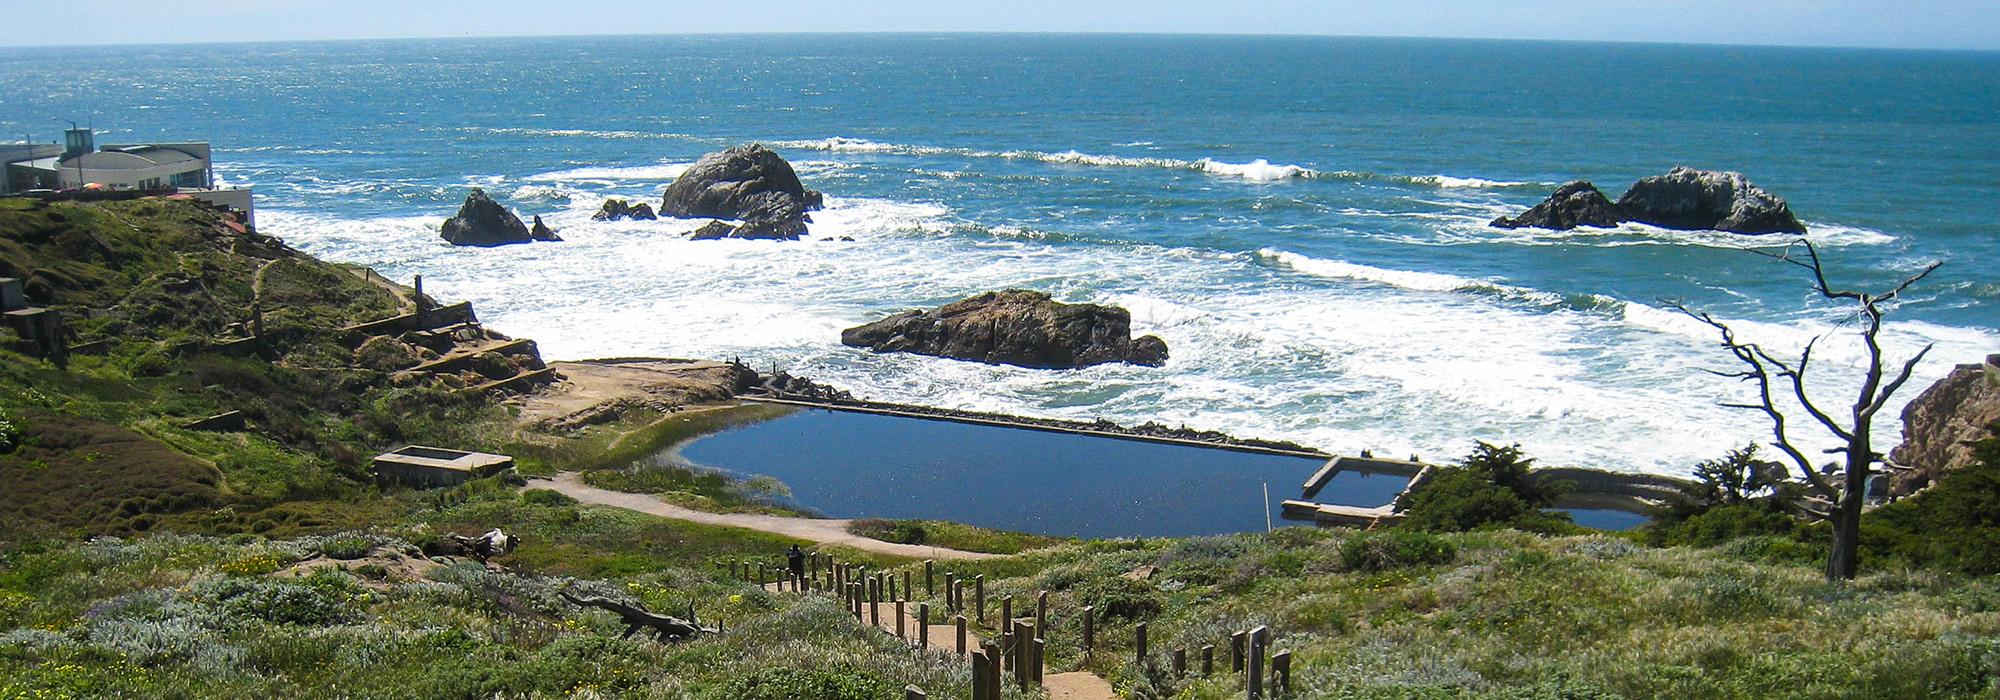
<point x="1080" y="33"/>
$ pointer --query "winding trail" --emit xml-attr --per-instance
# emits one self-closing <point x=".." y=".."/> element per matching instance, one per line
<point x="824" y="531"/>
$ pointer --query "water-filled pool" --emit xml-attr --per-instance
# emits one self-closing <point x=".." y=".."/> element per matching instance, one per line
<point x="847" y="464"/>
<point x="1605" y="518"/>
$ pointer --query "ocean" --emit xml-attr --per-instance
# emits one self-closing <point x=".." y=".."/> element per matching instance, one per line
<point x="1302" y="219"/>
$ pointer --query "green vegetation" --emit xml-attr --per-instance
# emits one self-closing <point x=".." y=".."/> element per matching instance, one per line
<point x="942" y="533"/>
<point x="1489" y="489"/>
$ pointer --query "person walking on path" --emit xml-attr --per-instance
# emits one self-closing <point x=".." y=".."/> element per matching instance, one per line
<point x="795" y="558"/>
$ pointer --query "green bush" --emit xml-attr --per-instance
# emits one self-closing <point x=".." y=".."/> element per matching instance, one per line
<point x="1120" y="598"/>
<point x="898" y="531"/>
<point x="346" y="548"/>
<point x="795" y="684"/>
<point x="10" y="434"/>
<point x="317" y="600"/>
<point x="546" y="497"/>
<point x="1394" y="549"/>
<point x="1490" y="488"/>
<point x="1953" y="525"/>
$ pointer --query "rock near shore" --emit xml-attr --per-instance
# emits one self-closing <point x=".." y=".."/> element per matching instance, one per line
<point x="1941" y="424"/>
<point x="483" y="222"/>
<point x="1684" y="199"/>
<point x="1576" y="203"/>
<point x="748" y="183"/>
<point x="1014" y="327"/>
<point x="1706" y="200"/>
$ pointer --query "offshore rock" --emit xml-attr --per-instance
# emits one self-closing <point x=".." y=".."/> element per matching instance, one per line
<point x="748" y="183"/>
<point x="613" y="210"/>
<point x="483" y="222"/>
<point x="541" y="231"/>
<point x="641" y="212"/>
<point x="1577" y="203"/>
<point x="1015" y="327"/>
<point x="1941" y="424"/>
<point x="1706" y="200"/>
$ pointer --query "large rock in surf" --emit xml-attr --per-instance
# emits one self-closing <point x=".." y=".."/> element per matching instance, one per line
<point x="1707" y="200"/>
<point x="615" y="209"/>
<point x="748" y="183"/>
<point x="1015" y="327"/>
<point x="483" y="222"/>
<point x="541" y="231"/>
<point x="1941" y="424"/>
<point x="1577" y="203"/>
<point x="1684" y="198"/>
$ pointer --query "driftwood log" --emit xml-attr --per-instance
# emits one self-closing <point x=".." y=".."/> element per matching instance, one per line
<point x="636" y="617"/>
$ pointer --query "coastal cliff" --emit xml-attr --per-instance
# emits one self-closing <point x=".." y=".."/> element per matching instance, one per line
<point x="1942" y="424"/>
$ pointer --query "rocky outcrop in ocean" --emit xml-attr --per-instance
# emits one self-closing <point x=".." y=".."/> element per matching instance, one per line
<point x="483" y="222"/>
<point x="1941" y="424"/>
<point x="541" y="231"/>
<point x="1015" y="327"/>
<point x="751" y="184"/>
<point x="1706" y="200"/>
<point x="615" y="209"/>
<point x="1684" y="199"/>
<point x="1576" y="203"/>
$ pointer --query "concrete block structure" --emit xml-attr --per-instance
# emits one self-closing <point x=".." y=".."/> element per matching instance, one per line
<point x="435" y="467"/>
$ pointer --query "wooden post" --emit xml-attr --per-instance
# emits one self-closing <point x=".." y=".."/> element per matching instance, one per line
<point x="1006" y="650"/>
<point x="1281" y="666"/>
<point x="1007" y="612"/>
<point x="911" y="692"/>
<point x="1207" y="660"/>
<point x="959" y="621"/>
<point x="924" y="626"/>
<point x="1041" y="610"/>
<point x="908" y="592"/>
<point x="733" y="575"/>
<point x="1180" y="662"/>
<point x="1139" y="641"/>
<point x="950" y="591"/>
<point x="875" y="603"/>
<point x="979" y="596"/>
<point x="899" y="621"/>
<point x="979" y="675"/>
<point x="1254" y="682"/>
<point x="930" y="568"/>
<point x="992" y="669"/>
<point x="854" y="600"/>
<point x="1236" y="643"/>
<point x="1089" y="628"/>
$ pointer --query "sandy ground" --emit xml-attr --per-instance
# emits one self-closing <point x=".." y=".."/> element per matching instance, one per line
<point x="594" y="389"/>
<point x="824" y="531"/>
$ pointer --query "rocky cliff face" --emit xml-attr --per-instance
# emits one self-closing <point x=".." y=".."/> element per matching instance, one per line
<point x="483" y="222"/>
<point x="749" y="183"/>
<point x="1941" y="424"/>
<point x="1015" y="327"/>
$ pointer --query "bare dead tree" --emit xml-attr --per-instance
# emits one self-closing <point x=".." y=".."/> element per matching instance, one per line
<point x="1845" y="489"/>
<point x="636" y="617"/>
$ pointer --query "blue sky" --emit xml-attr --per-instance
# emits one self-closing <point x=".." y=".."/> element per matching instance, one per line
<point x="1958" y="24"/>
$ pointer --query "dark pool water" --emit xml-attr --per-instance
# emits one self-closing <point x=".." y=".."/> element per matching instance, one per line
<point x="846" y="464"/>
<point x="1605" y="518"/>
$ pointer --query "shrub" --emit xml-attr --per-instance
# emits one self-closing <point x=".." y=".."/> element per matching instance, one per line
<point x="1382" y="551"/>
<point x="10" y="434"/>
<point x="1457" y="499"/>
<point x="820" y="684"/>
<point x="1117" y="597"/>
<point x="546" y="497"/>
<point x="346" y="548"/>
<point x="1953" y="525"/>
<point x="317" y="600"/>
<point x="898" y="531"/>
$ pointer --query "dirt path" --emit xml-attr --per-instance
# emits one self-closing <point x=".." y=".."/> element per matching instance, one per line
<point x="824" y="531"/>
<point x="1078" y="685"/>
